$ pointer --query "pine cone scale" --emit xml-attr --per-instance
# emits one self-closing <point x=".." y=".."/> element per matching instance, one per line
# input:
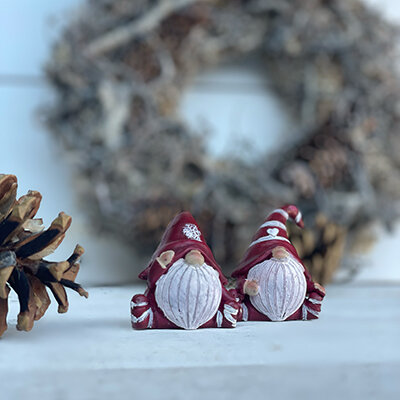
<point x="8" y="193"/>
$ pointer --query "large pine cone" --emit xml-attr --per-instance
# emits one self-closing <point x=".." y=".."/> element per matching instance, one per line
<point x="23" y="245"/>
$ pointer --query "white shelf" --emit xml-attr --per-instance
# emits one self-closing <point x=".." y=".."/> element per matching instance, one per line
<point x="92" y="352"/>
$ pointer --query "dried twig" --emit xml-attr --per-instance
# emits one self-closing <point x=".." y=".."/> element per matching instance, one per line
<point x="123" y="34"/>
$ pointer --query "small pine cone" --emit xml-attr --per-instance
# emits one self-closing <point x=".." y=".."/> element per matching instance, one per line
<point x="299" y="176"/>
<point x="320" y="247"/>
<point x="327" y="158"/>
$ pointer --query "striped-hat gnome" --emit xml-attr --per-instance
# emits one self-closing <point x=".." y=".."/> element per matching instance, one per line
<point x="272" y="281"/>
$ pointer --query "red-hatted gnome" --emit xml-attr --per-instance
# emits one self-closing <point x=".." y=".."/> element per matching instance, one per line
<point x="272" y="282"/>
<point x="186" y="288"/>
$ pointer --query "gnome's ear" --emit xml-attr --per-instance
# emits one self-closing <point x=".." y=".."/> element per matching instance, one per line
<point x="165" y="258"/>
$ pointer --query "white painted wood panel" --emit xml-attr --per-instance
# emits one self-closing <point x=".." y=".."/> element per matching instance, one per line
<point x="92" y="353"/>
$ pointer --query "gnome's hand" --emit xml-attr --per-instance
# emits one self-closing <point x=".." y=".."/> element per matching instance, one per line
<point x="319" y="289"/>
<point x="251" y="287"/>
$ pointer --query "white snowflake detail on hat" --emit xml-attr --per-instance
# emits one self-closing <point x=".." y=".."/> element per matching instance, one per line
<point x="192" y="232"/>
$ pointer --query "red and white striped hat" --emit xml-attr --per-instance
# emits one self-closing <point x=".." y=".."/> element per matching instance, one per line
<point x="270" y="234"/>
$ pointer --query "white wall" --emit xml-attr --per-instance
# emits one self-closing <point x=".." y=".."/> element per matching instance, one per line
<point x="27" y="29"/>
<point x="234" y="105"/>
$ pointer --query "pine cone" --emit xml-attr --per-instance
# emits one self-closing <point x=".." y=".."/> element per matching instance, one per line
<point x="23" y="245"/>
<point x="320" y="247"/>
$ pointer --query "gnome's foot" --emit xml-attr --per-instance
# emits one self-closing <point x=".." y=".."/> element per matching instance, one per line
<point x="227" y="315"/>
<point x="249" y="313"/>
<point x="310" y="310"/>
<point x="312" y="304"/>
<point x="243" y="314"/>
<point x="141" y="312"/>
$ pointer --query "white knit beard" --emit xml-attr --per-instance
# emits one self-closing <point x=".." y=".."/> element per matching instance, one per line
<point x="282" y="287"/>
<point x="189" y="295"/>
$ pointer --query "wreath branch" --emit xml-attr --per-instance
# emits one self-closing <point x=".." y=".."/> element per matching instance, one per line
<point x="124" y="34"/>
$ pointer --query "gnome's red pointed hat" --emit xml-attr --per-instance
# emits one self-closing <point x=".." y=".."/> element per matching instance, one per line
<point x="270" y="234"/>
<point x="182" y="235"/>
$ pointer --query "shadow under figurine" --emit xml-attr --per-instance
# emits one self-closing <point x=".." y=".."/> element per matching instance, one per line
<point x="186" y="288"/>
<point x="272" y="282"/>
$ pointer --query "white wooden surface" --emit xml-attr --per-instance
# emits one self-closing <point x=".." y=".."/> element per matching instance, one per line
<point x="91" y="352"/>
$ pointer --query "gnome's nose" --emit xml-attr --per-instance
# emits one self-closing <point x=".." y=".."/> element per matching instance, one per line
<point x="194" y="257"/>
<point x="279" y="252"/>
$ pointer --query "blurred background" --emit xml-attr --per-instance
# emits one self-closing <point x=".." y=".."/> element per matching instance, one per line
<point x="226" y="104"/>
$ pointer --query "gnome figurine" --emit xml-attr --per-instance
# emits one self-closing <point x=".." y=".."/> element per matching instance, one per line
<point x="186" y="288"/>
<point x="272" y="282"/>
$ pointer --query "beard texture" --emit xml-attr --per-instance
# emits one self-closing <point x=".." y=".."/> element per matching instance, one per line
<point x="282" y="287"/>
<point x="189" y="295"/>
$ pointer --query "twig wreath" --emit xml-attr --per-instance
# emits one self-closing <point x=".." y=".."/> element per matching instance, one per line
<point x="119" y="70"/>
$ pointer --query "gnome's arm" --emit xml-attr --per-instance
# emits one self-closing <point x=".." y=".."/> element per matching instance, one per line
<point x="313" y="287"/>
<point x="240" y="287"/>
<point x="228" y="295"/>
<point x="310" y="282"/>
<point x="314" y="297"/>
